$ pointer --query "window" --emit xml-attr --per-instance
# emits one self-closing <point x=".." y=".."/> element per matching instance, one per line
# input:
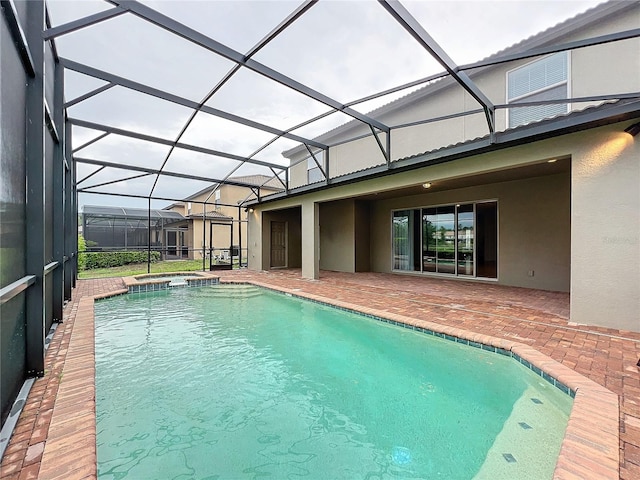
<point x="457" y="239"/>
<point x="544" y="79"/>
<point x="216" y="201"/>
<point x="314" y="174"/>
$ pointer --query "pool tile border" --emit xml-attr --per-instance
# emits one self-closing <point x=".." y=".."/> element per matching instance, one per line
<point x="154" y="282"/>
<point x="590" y="448"/>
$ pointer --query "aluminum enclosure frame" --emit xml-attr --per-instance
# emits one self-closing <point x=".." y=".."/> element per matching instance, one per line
<point x="51" y="163"/>
<point x="454" y="72"/>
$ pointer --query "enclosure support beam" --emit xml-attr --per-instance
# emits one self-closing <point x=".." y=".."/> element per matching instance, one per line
<point x="326" y="177"/>
<point x="170" y="97"/>
<point x="149" y="236"/>
<point x="60" y="227"/>
<point x="239" y="237"/>
<point x="54" y="32"/>
<point x="69" y="213"/>
<point x="72" y="202"/>
<point x="385" y="153"/>
<point x="88" y="95"/>
<point x="90" y="175"/>
<point x="411" y="25"/>
<point x="90" y="142"/>
<point x="214" y="46"/>
<point x="35" y="211"/>
<point x="164" y="141"/>
<point x="134" y="168"/>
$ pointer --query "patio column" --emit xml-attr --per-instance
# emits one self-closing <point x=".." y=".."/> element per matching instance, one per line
<point x="310" y="240"/>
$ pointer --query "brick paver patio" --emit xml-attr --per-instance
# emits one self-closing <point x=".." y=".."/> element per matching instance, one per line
<point x="55" y="436"/>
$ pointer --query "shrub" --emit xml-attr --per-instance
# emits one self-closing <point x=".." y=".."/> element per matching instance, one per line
<point x="82" y="256"/>
<point x="116" y="259"/>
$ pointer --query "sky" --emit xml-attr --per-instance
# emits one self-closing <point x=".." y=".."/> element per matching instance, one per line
<point x="343" y="49"/>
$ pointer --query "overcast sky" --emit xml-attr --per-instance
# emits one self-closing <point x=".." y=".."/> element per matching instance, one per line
<point x="344" y="49"/>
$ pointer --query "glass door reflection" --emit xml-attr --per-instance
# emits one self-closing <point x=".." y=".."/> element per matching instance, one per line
<point x="445" y="239"/>
<point x="429" y="241"/>
<point x="465" y="239"/>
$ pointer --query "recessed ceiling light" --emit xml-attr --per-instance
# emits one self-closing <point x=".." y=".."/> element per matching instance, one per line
<point x="553" y="160"/>
<point x="633" y="130"/>
<point x="426" y="185"/>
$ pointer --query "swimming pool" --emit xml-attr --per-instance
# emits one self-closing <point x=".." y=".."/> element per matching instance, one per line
<point x="239" y="382"/>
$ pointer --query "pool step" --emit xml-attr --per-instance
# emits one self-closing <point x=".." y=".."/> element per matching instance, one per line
<point x="234" y="291"/>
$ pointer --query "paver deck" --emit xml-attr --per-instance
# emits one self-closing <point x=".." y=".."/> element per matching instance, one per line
<point x="55" y="435"/>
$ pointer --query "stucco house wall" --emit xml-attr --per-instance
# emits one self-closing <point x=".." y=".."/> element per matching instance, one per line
<point x="534" y="228"/>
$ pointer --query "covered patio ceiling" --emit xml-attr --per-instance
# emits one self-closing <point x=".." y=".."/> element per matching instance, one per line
<point x="243" y="82"/>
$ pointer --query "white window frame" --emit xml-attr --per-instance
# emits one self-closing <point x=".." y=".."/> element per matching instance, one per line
<point x="540" y="90"/>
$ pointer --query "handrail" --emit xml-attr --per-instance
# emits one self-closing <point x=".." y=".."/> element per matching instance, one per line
<point x="49" y="267"/>
<point x="13" y="289"/>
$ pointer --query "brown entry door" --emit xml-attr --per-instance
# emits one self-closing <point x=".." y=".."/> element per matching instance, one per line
<point x="278" y="244"/>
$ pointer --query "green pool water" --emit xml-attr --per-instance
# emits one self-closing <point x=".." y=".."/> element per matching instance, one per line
<point x="236" y="382"/>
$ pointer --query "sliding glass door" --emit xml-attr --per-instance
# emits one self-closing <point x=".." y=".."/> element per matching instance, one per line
<point x="465" y="246"/>
<point x="445" y="239"/>
<point x="406" y="228"/>
<point x="438" y="239"/>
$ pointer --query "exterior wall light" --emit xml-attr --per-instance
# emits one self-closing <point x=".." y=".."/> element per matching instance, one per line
<point x="633" y="130"/>
<point x="426" y="185"/>
<point x="251" y="210"/>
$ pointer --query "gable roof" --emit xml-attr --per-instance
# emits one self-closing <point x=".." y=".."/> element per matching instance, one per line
<point x="546" y="37"/>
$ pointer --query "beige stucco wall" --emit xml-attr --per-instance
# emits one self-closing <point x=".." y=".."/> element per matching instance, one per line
<point x="605" y="248"/>
<point x="337" y="236"/>
<point x="534" y="231"/>
<point x="362" y="236"/>
<point x="353" y="156"/>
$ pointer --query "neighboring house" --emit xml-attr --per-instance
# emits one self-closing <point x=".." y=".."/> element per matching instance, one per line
<point x="224" y="219"/>
<point x="455" y="201"/>
<point x="177" y="230"/>
<point x="116" y="228"/>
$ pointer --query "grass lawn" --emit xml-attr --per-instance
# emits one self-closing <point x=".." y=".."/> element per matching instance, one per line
<point x="139" y="268"/>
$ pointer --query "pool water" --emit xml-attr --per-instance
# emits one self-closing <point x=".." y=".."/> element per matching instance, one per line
<point x="236" y="382"/>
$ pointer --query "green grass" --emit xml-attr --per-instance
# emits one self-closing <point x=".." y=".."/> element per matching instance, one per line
<point x="139" y="268"/>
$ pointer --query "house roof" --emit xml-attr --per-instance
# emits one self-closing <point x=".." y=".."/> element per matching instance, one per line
<point x="546" y="37"/>
<point x="98" y="211"/>
<point x="127" y="212"/>
<point x="263" y="181"/>
<point x="210" y="216"/>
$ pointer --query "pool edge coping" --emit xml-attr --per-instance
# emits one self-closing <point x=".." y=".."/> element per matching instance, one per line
<point x="590" y="448"/>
